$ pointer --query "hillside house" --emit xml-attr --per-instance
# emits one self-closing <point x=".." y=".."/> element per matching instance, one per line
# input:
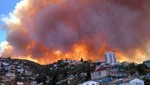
<point x="107" y="73"/>
<point x="90" y="83"/>
<point x="127" y="81"/>
<point x="147" y="63"/>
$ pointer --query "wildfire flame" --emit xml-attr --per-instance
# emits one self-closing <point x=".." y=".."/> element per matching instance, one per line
<point x="45" y="31"/>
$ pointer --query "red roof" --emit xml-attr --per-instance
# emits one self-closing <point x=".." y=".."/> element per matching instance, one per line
<point x="103" y="68"/>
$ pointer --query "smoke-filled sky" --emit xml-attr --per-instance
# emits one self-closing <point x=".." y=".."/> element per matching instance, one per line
<point x="48" y="30"/>
<point x="5" y="9"/>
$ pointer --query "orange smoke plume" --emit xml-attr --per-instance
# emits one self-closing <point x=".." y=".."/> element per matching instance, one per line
<point x="45" y="31"/>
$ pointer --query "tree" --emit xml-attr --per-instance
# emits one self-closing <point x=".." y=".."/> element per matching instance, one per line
<point x="132" y="68"/>
<point x="142" y="68"/>
<point x="81" y="60"/>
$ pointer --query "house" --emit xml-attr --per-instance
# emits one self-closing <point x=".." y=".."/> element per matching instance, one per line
<point x="90" y="83"/>
<point x="136" y="81"/>
<point x="33" y="83"/>
<point x="100" y="72"/>
<point x="148" y="75"/>
<point x="5" y="63"/>
<point x="127" y="81"/>
<point x="20" y="70"/>
<point x="125" y="63"/>
<point x="107" y="73"/>
<point x="147" y="63"/>
<point x="10" y="76"/>
<point x="20" y="83"/>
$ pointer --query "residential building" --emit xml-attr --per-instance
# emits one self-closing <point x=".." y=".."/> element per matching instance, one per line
<point x="90" y="83"/>
<point x="127" y="81"/>
<point x="110" y="58"/>
<point x="147" y="63"/>
<point x="33" y="83"/>
<point x="125" y="63"/>
<point x="107" y="73"/>
<point x="20" y="83"/>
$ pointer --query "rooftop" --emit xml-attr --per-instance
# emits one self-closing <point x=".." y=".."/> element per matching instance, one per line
<point x="103" y="68"/>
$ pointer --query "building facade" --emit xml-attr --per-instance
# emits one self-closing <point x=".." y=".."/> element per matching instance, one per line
<point x="110" y="58"/>
<point x="147" y="63"/>
<point x="127" y="81"/>
<point x="107" y="73"/>
<point x="90" y="83"/>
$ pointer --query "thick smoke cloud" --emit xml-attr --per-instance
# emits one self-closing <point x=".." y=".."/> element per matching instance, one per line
<point x="42" y="28"/>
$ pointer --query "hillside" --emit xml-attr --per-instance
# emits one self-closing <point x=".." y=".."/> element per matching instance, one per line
<point x="61" y="72"/>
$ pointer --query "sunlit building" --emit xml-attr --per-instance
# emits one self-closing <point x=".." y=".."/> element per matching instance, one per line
<point x="110" y="58"/>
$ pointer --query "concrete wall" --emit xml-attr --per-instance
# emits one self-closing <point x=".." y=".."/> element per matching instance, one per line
<point x="99" y="74"/>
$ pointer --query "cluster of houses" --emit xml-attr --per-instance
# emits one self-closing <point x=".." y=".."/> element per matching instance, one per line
<point x="12" y="70"/>
<point x="105" y="73"/>
<point x="109" y="73"/>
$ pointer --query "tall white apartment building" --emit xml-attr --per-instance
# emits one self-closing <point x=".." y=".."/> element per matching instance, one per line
<point x="110" y="58"/>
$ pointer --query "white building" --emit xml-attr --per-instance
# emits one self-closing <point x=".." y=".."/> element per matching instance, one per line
<point x="90" y="83"/>
<point x="127" y="81"/>
<point x="110" y="58"/>
<point x="20" y="83"/>
<point x="136" y="81"/>
<point x="33" y="83"/>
